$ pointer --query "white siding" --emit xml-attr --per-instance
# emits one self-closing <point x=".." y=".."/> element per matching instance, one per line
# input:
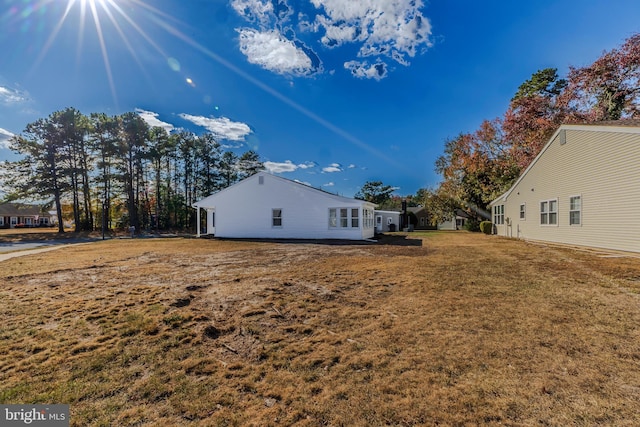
<point x="603" y="167"/>
<point x="245" y="211"/>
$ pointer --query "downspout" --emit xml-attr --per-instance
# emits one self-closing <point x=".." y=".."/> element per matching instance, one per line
<point x="197" y="220"/>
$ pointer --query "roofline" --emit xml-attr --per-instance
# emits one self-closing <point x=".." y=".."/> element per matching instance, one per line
<point x="583" y="127"/>
<point x="601" y="127"/>
<point x="326" y="193"/>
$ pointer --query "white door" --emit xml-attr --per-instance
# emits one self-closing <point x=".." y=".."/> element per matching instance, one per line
<point x="378" y="223"/>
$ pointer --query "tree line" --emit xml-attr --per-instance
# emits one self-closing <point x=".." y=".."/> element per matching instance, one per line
<point x="117" y="171"/>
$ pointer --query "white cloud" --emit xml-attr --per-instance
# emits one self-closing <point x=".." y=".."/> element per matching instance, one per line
<point x="395" y="29"/>
<point x="152" y="120"/>
<point x="12" y="96"/>
<point x="359" y="69"/>
<point x="385" y="31"/>
<point x="274" y="52"/>
<point x="328" y="184"/>
<point x="5" y="136"/>
<point x="286" y="166"/>
<point x="351" y="166"/>
<point x="275" y="167"/>
<point x="254" y="10"/>
<point x="333" y="167"/>
<point x="221" y="128"/>
<point x="307" y="165"/>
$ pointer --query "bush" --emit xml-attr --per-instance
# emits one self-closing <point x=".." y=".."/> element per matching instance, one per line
<point x="472" y="225"/>
<point x="486" y="227"/>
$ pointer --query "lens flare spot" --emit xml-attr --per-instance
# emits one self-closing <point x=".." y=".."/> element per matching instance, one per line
<point x="207" y="99"/>
<point x="173" y="64"/>
<point x="190" y="82"/>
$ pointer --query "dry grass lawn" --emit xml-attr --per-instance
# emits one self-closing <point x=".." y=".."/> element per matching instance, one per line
<point x="466" y="329"/>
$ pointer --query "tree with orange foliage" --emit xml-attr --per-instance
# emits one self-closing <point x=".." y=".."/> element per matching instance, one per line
<point x="608" y="89"/>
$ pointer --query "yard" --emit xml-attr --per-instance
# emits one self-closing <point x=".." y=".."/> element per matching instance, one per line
<point x="463" y="329"/>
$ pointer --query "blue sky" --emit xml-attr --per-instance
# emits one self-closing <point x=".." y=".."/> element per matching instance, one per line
<point x="332" y="93"/>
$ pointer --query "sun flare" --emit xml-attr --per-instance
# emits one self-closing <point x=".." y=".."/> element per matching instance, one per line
<point x="100" y="17"/>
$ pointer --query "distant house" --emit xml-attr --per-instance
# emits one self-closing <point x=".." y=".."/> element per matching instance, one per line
<point x="271" y="207"/>
<point x="423" y="221"/>
<point x="457" y="222"/>
<point x="582" y="189"/>
<point x="388" y="221"/>
<point x="14" y="215"/>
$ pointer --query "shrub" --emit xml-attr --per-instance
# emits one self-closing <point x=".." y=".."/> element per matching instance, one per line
<point x="486" y="227"/>
<point x="472" y="225"/>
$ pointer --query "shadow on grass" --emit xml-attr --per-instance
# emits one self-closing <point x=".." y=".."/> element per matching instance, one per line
<point x="379" y="239"/>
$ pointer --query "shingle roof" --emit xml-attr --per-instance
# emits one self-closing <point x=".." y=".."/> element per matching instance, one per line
<point x="19" y="209"/>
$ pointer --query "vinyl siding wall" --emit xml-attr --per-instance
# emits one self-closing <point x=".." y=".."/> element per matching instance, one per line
<point x="601" y="167"/>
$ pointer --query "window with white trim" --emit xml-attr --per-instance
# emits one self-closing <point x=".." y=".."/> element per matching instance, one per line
<point x="1" y="220"/>
<point x="575" y="210"/>
<point x="345" y="217"/>
<point x="355" y="220"/>
<point x="14" y="220"/>
<point x="523" y="211"/>
<point x="498" y="214"/>
<point x="333" y="218"/>
<point x="368" y="218"/>
<point x="276" y="217"/>
<point x="549" y="212"/>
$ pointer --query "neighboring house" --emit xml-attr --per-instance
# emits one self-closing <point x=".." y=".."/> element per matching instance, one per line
<point x="271" y="207"/>
<point x="582" y="189"/>
<point x="388" y="221"/>
<point x="14" y="215"/>
<point x="423" y="222"/>
<point x="458" y="221"/>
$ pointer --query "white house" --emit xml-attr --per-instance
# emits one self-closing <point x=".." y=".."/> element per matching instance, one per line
<point x="270" y="207"/>
<point x="582" y="189"/>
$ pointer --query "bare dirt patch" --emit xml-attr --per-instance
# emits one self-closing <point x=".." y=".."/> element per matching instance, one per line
<point x="464" y="329"/>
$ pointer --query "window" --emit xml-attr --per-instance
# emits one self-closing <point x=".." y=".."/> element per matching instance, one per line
<point x="347" y="217"/>
<point x="498" y="214"/>
<point x="276" y="217"/>
<point x="333" y="218"/>
<point x="549" y="212"/>
<point x="367" y="218"/>
<point x="344" y="219"/>
<point x="575" y="210"/>
<point x="523" y="211"/>
<point x="422" y="221"/>
<point x="14" y="220"/>
<point x="1" y="220"/>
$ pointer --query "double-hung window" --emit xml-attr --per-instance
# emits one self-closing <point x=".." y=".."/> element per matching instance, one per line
<point x="575" y="210"/>
<point x="344" y="218"/>
<point x="276" y="217"/>
<point x="523" y="211"/>
<point x="549" y="212"/>
<point x="498" y="214"/>
<point x="355" y="221"/>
